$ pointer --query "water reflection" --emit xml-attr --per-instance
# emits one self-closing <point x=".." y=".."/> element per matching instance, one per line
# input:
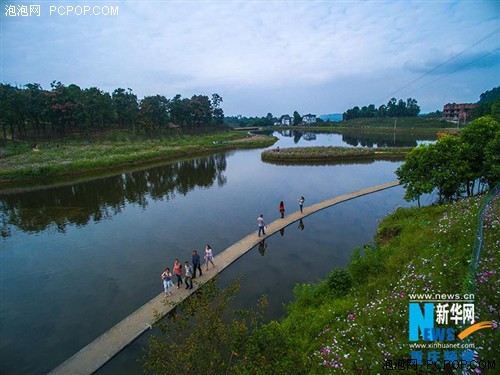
<point x="381" y="140"/>
<point x="359" y="138"/>
<point x="104" y="198"/>
<point x="262" y="247"/>
<point x="301" y="224"/>
<point x="351" y="161"/>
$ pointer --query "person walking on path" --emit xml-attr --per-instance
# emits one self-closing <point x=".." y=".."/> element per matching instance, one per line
<point x="301" y="203"/>
<point x="196" y="263"/>
<point x="188" y="273"/>
<point x="209" y="256"/>
<point x="166" y="277"/>
<point x="282" y="209"/>
<point x="261" y="225"/>
<point x="178" y="272"/>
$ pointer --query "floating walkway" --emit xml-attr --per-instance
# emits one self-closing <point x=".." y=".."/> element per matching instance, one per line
<point x="96" y="354"/>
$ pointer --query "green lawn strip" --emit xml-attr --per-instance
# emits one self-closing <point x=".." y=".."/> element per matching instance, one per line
<point x="19" y="162"/>
<point x="332" y="328"/>
<point x="331" y="153"/>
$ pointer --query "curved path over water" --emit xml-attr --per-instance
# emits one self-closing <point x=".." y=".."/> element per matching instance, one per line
<point x="96" y="354"/>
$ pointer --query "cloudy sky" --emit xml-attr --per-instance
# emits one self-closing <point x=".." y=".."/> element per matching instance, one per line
<point x="261" y="56"/>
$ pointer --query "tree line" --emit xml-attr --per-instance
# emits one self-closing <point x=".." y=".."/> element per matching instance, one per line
<point x="394" y="108"/>
<point x="33" y="112"/>
<point x="454" y="164"/>
<point x="488" y="104"/>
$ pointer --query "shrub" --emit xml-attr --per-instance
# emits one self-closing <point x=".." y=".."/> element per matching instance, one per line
<point x="339" y="282"/>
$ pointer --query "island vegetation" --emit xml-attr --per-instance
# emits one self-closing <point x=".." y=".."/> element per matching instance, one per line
<point x="332" y="154"/>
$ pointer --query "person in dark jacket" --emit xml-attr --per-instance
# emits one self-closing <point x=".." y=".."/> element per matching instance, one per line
<point x="196" y="263"/>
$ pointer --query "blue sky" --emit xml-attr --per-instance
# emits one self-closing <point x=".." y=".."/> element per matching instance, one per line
<point x="262" y="56"/>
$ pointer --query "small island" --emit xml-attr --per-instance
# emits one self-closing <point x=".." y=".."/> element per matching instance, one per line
<point x="332" y="154"/>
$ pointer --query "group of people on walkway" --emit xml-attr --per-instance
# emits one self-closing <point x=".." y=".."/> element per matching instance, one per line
<point x="188" y="272"/>
<point x="260" y="220"/>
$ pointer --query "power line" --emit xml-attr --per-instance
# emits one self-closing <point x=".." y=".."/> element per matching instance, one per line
<point x="443" y="63"/>
<point x="459" y="68"/>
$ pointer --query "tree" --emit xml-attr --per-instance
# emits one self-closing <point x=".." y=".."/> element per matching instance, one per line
<point x="126" y="107"/>
<point x="413" y="109"/>
<point x="153" y="113"/>
<point x="200" y="110"/>
<point x="414" y="173"/>
<point x="206" y="336"/>
<point x="297" y="119"/>
<point x="476" y="137"/>
<point x="218" y="113"/>
<point x="453" y="164"/>
<point x="492" y="161"/>
<point x="36" y="107"/>
<point x="490" y="96"/>
<point x="448" y="173"/>
<point x="484" y="106"/>
<point x="13" y="113"/>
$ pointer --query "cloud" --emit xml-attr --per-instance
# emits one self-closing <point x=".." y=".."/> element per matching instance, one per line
<point x="281" y="51"/>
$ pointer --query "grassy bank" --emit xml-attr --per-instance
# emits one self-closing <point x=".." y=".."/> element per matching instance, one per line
<point x="357" y="318"/>
<point x="73" y="157"/>
<point x="332" y="154"/>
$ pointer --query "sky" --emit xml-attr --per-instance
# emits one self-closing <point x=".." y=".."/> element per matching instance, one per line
<point x="311" y="56"/>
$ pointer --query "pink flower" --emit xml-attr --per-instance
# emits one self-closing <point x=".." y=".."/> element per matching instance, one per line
<point x="351" y="316"/>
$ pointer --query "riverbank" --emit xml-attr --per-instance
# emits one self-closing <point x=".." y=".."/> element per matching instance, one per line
<point x="20" y="163"/>
<point x="332" y="154"/>
<point x="357" y="318"/>
<point x="402" y="124"/>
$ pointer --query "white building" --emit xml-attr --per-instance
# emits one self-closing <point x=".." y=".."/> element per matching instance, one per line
<point x="308" y="119"/>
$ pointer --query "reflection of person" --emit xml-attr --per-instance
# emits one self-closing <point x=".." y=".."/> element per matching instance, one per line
<point x="196" y="263"/>
<point x="262" y="247"/>
<point x="188" y="273"/>
<point x="261" y="225"/>
<point x="301" y="203"/>
<point x="209" y="256"/>
<point x="282" y="209"/>
<point x="282" y="232"/>
<point x="166" y="276"/>
<point x="301" y="224"/>
<point x="178" y="272"/>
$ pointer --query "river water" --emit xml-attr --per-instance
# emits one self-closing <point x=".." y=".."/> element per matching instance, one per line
<point x="76" y="259"/>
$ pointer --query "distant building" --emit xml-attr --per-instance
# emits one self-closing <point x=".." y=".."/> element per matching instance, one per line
<point x="286" y="120"/>
<point x="308" y="119"/>
<point x="454" y="111"/>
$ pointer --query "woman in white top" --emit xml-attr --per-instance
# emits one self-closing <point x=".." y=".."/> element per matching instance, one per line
<point x="166" y="276"/>
<point x="209" y="257"/>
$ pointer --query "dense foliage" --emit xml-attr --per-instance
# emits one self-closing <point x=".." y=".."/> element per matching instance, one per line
<point x="394" y="108"/>
<point x="488" y="104"/>
<point x="33" y="112"/>
<point x="454" y="164"/>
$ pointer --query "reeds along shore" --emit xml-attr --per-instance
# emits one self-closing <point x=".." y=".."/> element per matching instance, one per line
<point x="332" y="154"/>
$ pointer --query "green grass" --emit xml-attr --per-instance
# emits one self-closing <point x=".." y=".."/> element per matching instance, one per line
<point x="332" y="154"/>
<point x="356" y="318"/>
<point x="19" y="162"/>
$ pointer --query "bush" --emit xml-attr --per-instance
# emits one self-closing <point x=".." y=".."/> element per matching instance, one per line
<point x="339" y="282"/>
<point x="366" y="264"/>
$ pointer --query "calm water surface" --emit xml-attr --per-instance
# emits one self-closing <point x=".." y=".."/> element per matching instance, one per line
<point x="77" y="259"/>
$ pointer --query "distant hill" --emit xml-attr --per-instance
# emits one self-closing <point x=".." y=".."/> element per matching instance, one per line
<point x="331" y="117"/>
